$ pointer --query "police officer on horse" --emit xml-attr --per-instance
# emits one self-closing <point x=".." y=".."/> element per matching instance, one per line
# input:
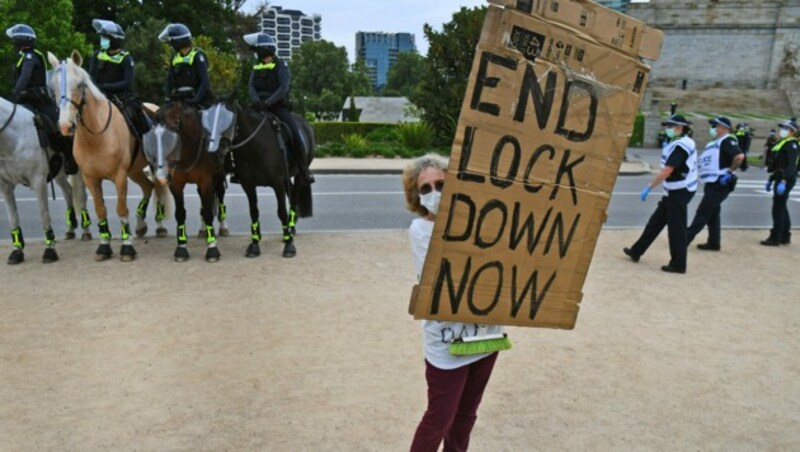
<point x="269" y="86"/>
<point x="30" y="89"/>
<point x="112" y="70"/>
<point x="188" y="68"/>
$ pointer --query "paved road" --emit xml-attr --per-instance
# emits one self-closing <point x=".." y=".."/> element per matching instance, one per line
<point x="375" y="202"/>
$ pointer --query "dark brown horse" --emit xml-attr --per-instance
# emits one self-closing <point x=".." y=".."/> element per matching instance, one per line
<point x="177" y="153"/>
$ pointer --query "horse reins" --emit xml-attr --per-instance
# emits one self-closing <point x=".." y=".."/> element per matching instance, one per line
<point x="197" y="154"/>
<point x="8" y="121"/>
<point x="252" y="135"/>
<point x="79" y="107"/>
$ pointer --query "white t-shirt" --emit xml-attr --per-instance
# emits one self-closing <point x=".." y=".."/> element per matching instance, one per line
<point x="437" y="335"/>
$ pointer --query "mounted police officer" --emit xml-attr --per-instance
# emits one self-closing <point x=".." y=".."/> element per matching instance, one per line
<point x="112" y="70"/>
<point x="188" y="68"/>
<point x="30" y="89"/>
<point x="269" y="86"/>
<point x="783" y="176"/>
<point x="679" y="175"/>
<point x="719" y="160"/>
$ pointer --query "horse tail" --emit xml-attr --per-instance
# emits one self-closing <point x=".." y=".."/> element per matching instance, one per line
<point x="305" y="206"/>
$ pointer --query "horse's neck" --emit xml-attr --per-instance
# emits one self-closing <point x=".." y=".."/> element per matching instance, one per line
<point x="95" y="114"/>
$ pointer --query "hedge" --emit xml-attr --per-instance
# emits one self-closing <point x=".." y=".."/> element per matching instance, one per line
<point x="332" y="132"/>
<point x="637" y="137"/>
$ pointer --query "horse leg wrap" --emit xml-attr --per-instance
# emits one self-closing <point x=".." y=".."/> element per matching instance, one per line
<point x="255" y="232"/>
<point x="160" y="212"/>
<point x="85" y="220"/>
<point x="223" y="212"/>
<point x="49" y="237"/>
<point x="72" y="220"/>
<point x="17" y="240"/>
<point x="287" y="234"/>
<point x="292" y="218"/>
<point x="211" y="239"/>
<point x="105" y="233"/>
<point x="141" y="209"/>
<point x="126" y="233"/>
<point x="182" y="238"/>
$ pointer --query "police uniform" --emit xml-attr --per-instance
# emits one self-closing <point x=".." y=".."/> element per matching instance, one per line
<point x="783" y="172"/>
<point x="671" y="212"/>
<point x="714" y="168"/>
<point x="190" y="70"/>
<point x="30" y="86"/>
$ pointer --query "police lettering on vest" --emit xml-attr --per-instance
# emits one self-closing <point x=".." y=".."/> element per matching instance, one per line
<point x="679" y="180"/>
<point x="710" y="167"/>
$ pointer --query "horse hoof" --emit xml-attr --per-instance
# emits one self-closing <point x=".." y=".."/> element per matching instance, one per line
<point x="181" y="254"/>
<point x="16" y="257"/>
<point x="253" y="250"/>
<point x="289" y="250"/>
<point x="141" y="232"/>
<point x="127" y="253"/>
<point x="103" y="252"/>
<point x="224" y="232"/>
<point x="69" y="235"/>
<point x="50" y="256"/>
<point x="212" y="255"/>
<point x="161" y="233"/>
<point x="86" y="236"/>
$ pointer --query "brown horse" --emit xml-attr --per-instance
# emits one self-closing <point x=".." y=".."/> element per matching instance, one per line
<point x="178" y="154"/>
<point x="104" y="148"/>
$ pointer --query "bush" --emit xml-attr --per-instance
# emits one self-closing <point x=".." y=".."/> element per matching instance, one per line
<point x="637" y="137"/>
<point x="415" y="135"/>
<point x="327" y="132"/>
<point x="354" y="140"/>
<point x="386" y="134"/>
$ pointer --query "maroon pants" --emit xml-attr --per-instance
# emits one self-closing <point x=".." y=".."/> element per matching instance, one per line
<point x="453" y="399"/>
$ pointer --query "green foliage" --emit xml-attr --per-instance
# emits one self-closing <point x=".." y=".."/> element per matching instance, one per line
<point x="327" y="132"/>
<point x="223" y="67"/>
<point x="354" y="140"/>
<point x="319" y="78"/>
<point x="352" y="113"/>
<point x="148" y="53"/>
<point x="449" y="61"/>
<point x="359" y="83"/>
<point x="382" y="150"/>
<point x="405" y="75"/>
<point x="415" y="135"/>
<point x="637" y="137"/>
<point x="52" y="21"/>
<point x="387" y="134"/>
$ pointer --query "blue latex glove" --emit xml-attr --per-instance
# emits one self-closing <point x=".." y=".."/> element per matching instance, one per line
<point x="725" y="178"/>
<point x="645" y="192"/>
<point x="768" y="187"/>
<point x="780" y="189"/>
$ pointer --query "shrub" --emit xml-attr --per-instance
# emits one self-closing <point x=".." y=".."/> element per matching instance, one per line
<point x="415" y="135"/>
<point x="333" y="131"/>
<point x="387" y="134"/>
<point x="637" y="136"/>
<point x="354" y="141"/>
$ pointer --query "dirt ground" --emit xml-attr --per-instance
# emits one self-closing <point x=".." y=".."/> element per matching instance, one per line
<point x="318" y="353"/>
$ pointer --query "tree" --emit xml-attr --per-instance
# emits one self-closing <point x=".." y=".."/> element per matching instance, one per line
<point x="52" y="21"/>
<point x="320" y="78"/>
<point x="359" y="83"/>
<point x="405" y="74"/>
<point x="449" y="61"/>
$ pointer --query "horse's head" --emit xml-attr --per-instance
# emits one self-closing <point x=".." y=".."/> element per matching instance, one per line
<point x="162" y="144"/>
<point x="219" y="123"/>
<point x="69" y="84"/>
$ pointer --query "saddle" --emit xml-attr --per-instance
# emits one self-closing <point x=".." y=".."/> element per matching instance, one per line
<point x="50" y="137"/>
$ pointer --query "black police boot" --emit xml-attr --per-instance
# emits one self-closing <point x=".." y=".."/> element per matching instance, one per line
<point x="708" y="247"/>
<point x="786" y="239"/>
<point x="629" y="252"/>
<point x="772" y="240"/>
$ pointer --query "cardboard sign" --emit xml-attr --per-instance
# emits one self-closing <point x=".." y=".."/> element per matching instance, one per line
<point x="543" y="129"/>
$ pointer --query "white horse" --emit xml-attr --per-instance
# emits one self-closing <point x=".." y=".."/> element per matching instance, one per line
<point x="105" y="149"/>
<point x="24" y="162"/>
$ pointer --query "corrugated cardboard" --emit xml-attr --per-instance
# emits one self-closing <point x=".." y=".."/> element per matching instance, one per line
<point x="543" y="128"/>
<point x="607" y="26"/>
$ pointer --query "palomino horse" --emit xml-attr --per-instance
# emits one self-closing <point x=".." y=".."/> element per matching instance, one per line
<point x="24" y="162"/>
<point x="178" y="156"/>
<point x="104" y="148"/>
<point x="259" y="162"/>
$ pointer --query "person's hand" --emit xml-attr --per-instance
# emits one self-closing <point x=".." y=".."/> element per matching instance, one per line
<point x="725" y="178"/>
<point x="768" y="187"/>
<point x="645" y="192"/>
<point x="780" y="189"/>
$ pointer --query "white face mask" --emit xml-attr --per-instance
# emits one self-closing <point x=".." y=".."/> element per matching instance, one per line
<point x="430" y="201"/>
<point x="713" y="132"/>
<point x="784" y="133"/>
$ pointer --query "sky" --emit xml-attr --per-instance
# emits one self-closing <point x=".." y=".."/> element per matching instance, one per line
<point x="341" y="19"/>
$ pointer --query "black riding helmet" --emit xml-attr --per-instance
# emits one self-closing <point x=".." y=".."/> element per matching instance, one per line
<point x="111" y="30"/>
<point x="22" y="35"/>
<point x="263" y="44"/>
<point x="176" y="35"/>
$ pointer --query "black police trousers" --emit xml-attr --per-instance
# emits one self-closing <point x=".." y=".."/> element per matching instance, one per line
<point x="781" y="223"/>
<point x="672" y="212"/>
<point x="297" y="151"/>
<point x="708" y="213"/>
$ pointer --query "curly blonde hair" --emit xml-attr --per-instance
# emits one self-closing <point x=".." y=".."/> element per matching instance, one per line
<point x="411" y="174"/>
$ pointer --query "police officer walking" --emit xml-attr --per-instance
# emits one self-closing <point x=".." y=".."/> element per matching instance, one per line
<point x="30" y="89"/>
<point x="188" y="67"/>
<point x="744" y="137"/>
<point x="269" y="86"/>
<point x="717" y="163"/>
<point x="783" y="176"/>
<point x="112" y="70"/>
<point x="679" y="176"/>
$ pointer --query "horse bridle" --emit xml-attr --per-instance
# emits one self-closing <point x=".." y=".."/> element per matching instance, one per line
<point x="177" y="130"/>
<point x="82" y="86"/>
<point x="11" y="117"/>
